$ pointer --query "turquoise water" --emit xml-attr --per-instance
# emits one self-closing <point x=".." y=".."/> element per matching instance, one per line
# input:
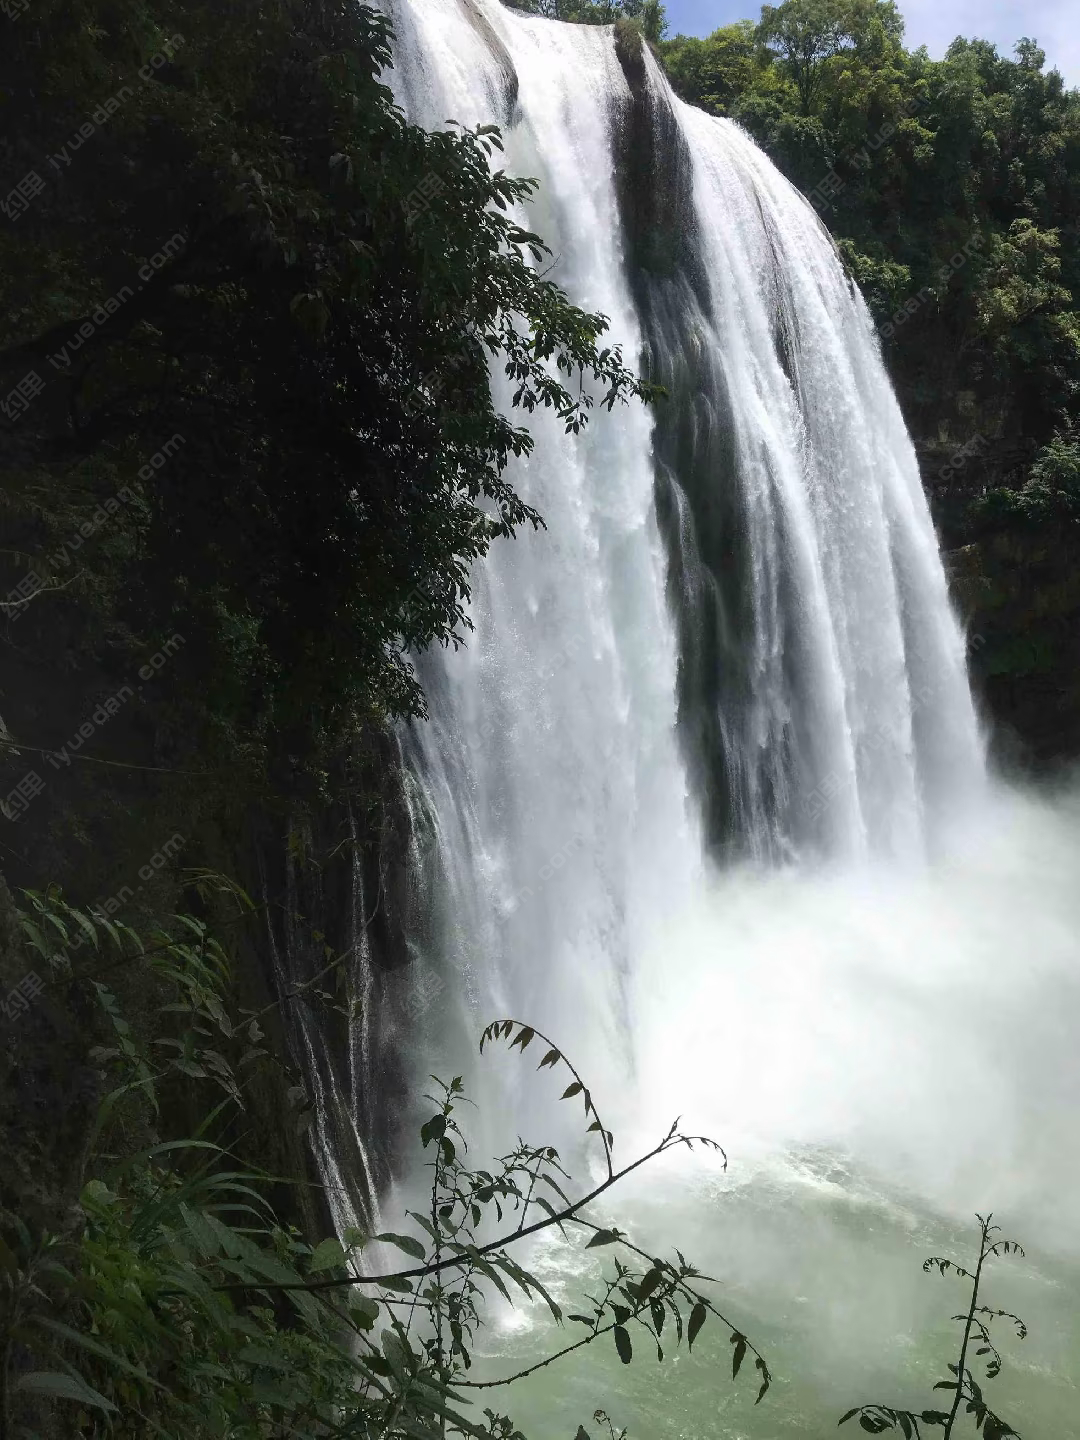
<point x="826" y="1277"/>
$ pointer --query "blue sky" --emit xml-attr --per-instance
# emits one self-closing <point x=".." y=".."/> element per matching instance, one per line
<point x="1055" y="24"/>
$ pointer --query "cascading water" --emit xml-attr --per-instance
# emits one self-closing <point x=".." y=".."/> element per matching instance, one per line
<point x="551" y="762"/>
<point x="705" y="797"/>
<point x="838" y="695"/>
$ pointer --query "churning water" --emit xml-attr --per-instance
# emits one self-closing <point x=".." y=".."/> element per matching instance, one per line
<point x="706" y="800"/>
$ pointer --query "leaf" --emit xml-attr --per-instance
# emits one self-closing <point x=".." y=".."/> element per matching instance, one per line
<point x="623" y="1345"/>
<point x="86" y="927"/>
<point x="551" y="1058"/>
<point x="697" y="1319"/>
<point x="328" y="1255"/>
<point x="845" y="1418"/>
<point x="364" y="1311"/>
<point x="398" y="1284"/>
<point x="766" y="1378"/>
<point x="649" y="1283"/>
<point x="738" y="1354"/>
<point x="408" y="1243"/>
<point x="572" y="1090"/>
<point x="434" y="1129"/>
<point x="603" y="1237"/>
<point x="524" y="1038"/>
<point x="201" y="1231"/>
<point x="95" y="1347"/>
<point x="96" y="1195"/>
<point x="62" y="1387"/>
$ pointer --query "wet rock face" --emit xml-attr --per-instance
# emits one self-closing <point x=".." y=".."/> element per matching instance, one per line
<point x="346" y="876"/>
<point x="1020" y="596"/>
<point x="654" y="175"/>
<point x="693" y="447"/>
<point x="1017" y="591"/>
<point x="506" y="103"/>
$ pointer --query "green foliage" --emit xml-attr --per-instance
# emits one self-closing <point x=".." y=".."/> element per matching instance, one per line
<point x="254" y="260"/>
<point x="1055" y="475"/>
<point x="177" y="1303"/>
<point x="807" y="35"/>
<point x="975" y="1339"/>
<point x="1050" y="497"/>
<point x="717" y="71"/>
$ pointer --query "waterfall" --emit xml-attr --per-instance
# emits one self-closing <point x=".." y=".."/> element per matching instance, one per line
<point x="338" y="1081"/>
<point x="734" y="636"/>
<point x="836" y="687"/>
<point x="705" y="797"/>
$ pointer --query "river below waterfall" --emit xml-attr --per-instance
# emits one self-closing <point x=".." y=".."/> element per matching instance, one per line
<point x="705" y="798"/>
<point x="883" y="1052"/>
<point x="882" y="1055"/>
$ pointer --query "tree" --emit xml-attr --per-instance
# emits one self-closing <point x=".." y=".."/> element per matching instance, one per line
<point x="806" y="34"/>
<point x="714" y="72"/>
<point x="1048" y="500"/>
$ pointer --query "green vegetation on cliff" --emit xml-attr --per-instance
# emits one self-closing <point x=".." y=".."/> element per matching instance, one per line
<point x="248" y="316"/>
<point x="953" y="189"/>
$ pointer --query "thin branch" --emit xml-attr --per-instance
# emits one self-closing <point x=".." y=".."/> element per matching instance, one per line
<point x="456" y="1261"/>
<point x="7" y="606"/>
<point x="96" y="760"/>
<point x="494" y="1030"/>
<point x="961" y="1369"/>
<point x="558" y="1355"/>
<point x="702" y="1299"/>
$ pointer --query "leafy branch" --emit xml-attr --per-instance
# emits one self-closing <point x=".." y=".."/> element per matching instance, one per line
<point x="966" y="1391"/>
<point x="504" y="1029"/>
